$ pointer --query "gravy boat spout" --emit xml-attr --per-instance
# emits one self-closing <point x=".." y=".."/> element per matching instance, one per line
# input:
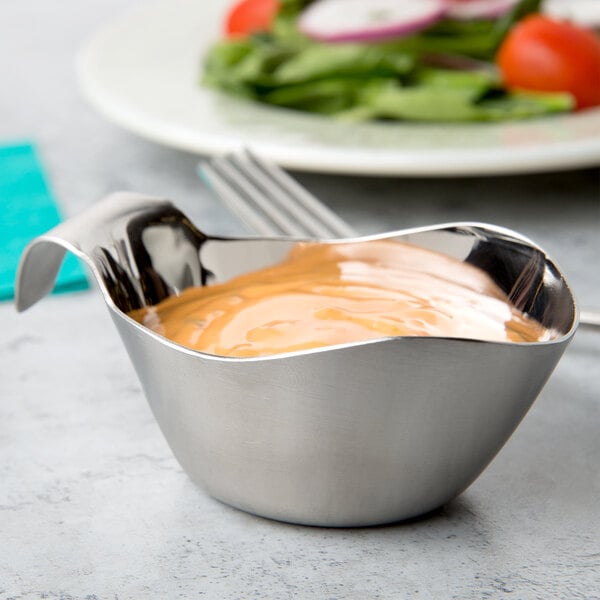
<point x="349" y="435"/>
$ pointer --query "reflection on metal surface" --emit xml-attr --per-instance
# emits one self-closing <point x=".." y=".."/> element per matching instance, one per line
<point x="356" y="434"/>
<point x="148" y="250"/>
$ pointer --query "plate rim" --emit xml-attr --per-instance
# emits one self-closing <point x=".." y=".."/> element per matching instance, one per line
<point x="563" y="155"/>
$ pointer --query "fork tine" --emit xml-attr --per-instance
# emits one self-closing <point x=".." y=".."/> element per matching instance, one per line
<point x="256" y="196"/>
<point x="247" y="213"/>
<point x="268" y="199"/>
<point x="278" y="201"/>
<point x="319" y="212"/>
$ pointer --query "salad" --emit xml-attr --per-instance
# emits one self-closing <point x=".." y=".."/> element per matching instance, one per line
<point x="409" y="60"/>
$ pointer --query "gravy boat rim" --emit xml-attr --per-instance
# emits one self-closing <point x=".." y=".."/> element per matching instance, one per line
<point x="496" y="229"/>
<point x="331" y="347"/>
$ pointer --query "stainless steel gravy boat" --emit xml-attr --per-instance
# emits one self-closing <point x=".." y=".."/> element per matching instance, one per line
<point x="351" y="435"/>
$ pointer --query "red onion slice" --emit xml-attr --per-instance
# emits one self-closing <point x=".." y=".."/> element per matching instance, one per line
<point x="368" y="20"/>
<point x="466" y="10"/>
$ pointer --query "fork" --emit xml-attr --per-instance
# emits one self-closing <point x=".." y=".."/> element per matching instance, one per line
<point x="268" y="200"/>
<point x="272" y="203"/>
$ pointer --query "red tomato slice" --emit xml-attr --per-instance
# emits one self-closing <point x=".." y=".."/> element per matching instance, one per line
<point x="249" y="16"/>
<point x="543" y="54"/>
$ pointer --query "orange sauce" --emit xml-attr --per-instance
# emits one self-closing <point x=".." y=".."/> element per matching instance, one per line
<point x="327" y="294"/>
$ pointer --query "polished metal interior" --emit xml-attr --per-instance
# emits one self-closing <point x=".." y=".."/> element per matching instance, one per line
<point x="143" y="250"/>
<point x="356" y="434"/>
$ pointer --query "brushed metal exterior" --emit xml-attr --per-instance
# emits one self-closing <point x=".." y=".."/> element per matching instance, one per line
<point x="359" y="434"/>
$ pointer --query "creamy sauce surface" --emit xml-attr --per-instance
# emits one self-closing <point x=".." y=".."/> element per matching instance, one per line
<point x="327" y="294"/>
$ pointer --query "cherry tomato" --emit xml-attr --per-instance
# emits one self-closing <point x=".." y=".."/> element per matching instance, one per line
<point x="249" y="16"/>
<point x="543" y="54"/>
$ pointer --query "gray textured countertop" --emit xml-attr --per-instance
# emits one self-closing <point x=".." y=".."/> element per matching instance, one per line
<point x="92" y="503"/>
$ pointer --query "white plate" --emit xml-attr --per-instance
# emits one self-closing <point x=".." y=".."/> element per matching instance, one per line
<point x="143" y="71"/>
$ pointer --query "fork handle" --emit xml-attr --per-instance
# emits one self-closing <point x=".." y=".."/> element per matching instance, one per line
<point x="589" y="318"/>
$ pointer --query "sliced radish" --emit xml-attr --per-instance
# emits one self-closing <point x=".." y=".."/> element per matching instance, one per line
<point x="368" y="20"/>
<point x="466" y="10"/>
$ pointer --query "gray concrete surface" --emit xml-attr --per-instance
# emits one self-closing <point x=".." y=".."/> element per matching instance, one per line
<point x="94" y="506"/>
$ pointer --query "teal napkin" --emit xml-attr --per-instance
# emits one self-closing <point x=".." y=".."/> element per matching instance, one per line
<point x="27" y="209"/>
